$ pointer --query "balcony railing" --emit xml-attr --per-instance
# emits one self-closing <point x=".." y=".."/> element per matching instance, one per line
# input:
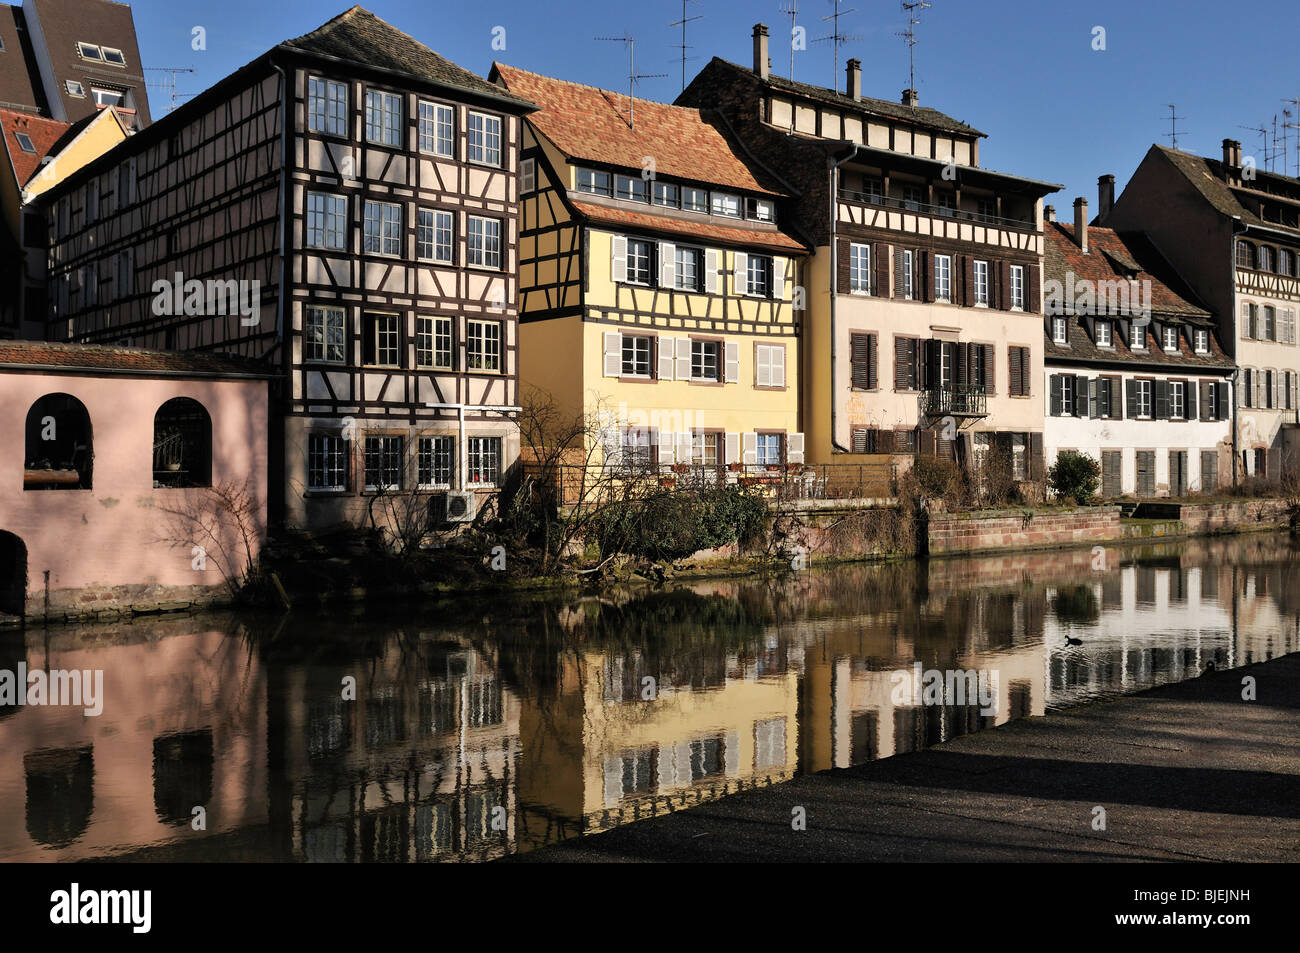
<point x="953" y="401"/>
<point x="939" y="211"/>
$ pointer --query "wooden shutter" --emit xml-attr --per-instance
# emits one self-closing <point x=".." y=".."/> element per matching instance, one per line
<point x="1054" y="402"/>
<point x="667" y="265"/>
<point x="749" y="444"/>
<point x="1094" y="401"/>
<point x="762" y="366"/>
<point x="1222" y="402"/>
<point x="794" y="448"/>
<point x="931" y="376"/>
<point x="777" y="357"/>
<point x="1189" y="399"/>
<point x="667" y="357"/>
<point x="880" y="266"/>
<point x="618" y="264"/>
<point x="961" y="365"/>
<point x="1004" y="285"/>
<point x="967" y="280"/>
<point x="926" y="264"/>
<point x="665" y="443"/>
<point x="613" y="354"/>
<point x="1081" y="396"/>
<point x="929" y="443"/>
<point x="1160" y="400"/>
<point x="987" y="355"/>
<point x="1204" y="388"/>
<point x="778" y="278"/>
<point x="683" y="359"/>
<point x="860" y="441"/>
<point x="731" y="362"/>
<point x="740" y="273"/>
<point x="1015" y="372"/>
<point x="1130" y="399"/>
<point x="901" y="364"/>
<point x="860" y="360"/>
<point x="1037" y="463"/>
<point x="732" y="446"/>
<point x="843" y="253"/>
<point x="899" y="276"/>
<point x="1033" y="303"/>
<point x="711" y="271"/>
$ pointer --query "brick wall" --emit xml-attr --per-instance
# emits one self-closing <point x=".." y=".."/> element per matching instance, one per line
<point x="1022" y="531"/>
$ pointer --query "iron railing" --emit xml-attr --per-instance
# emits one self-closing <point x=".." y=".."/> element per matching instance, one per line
<point x="939" y="211"/>
<point x="965" y="401"/>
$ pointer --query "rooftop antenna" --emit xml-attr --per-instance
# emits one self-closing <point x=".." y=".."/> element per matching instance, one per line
<point x="1264" y="157"/>
<point x="169" y="83"/>
<point x="792" y="11"/>
<point x="682" y="23"/>
<point x="632" y="74"/>
<point x="1288" y="124"/>
<point x="913" y="10"/>
<point x="836" y="38"/>
<point x="1172" y="134"/>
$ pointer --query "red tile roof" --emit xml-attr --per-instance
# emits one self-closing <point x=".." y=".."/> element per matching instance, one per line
<point x="45" y="135"/>
<point x="591" y="124"/>
<point x="138" y="361"/>
<point x="701" y="231"/>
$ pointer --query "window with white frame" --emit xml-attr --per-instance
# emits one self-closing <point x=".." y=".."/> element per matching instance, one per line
<point x="760" y="210"/>
<point x="435" y="462"/>
<point x="907" y="274"/>
<point x="1169" y="337"/>
<point x="982" y="283"/>
<point x="640" y="261"/>
<point x="689" y="268"/>
<point x="726" y="204"/>
<point x="597" y="183"/>
<point x="705" y="363"/>
<point x="483" y="345"/>
<point x="483" y="459"/>
<point x="636" y="448"/>
<point x="382" y="344"/>
<point x="860" y="268"/>
<point x="384" y="459"/>
<point x="327" y="462"/>
<point x="704" y="449"/>
<point x="769" y="448"/>
<point x="769" y="365"/>
<point x="1059" y="330"/>
<point x="528" y="175"/>
<point x="758" y="276"/>
<point x="636" y="355"/>
<point x="434" y="133"/>
<point x="74" y="88"/>
<point x="667" y="195"/>
<point x="1202" y="338"/>
<point x="383" y="118"/>
<point x="323" y="330"/>
<point x="943" y="278"/>
<point x="113" y="57"/>
<point x="1017" y="287"/>
<point x="695" y="200"/>
<point x="483" y="241"/>
<point x="1177" y="400"/>
<point x="327" y="106"/>
<point x="1137" y="335"/>
<point x="90" y="51"/>
<point x="108" y="97"/>
<point x="1103" y="334"/>
<point x="631" y="189"/>
<point x="484" y="138"/>
<point x="383" y="228"/>
<point x="1142" y="394"/>
<point x="433" y="235"/>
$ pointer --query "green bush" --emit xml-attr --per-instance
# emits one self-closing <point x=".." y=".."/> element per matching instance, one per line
<point x="674" y="525"/>
<point x="1074" y="475"/>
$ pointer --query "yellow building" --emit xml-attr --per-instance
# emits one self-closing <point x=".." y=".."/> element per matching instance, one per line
<point x="657" y="286"/>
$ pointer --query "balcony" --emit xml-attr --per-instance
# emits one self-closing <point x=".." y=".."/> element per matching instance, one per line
<point x="953" y="401"/>
<point x="937" y="211"/>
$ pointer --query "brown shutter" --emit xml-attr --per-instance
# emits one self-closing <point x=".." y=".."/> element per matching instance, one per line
<point x="1032" y="302"/>
<point x="961" y="365"/>
<point x="880" y="280"/>
<point x="873" y="360"/>
<point x="842" y="267"/>
<point x="899" y="288"/>
<point x="1014" y="371"/>
<point x="926" y="258"/>
<point x="967" y="280"/>
<point x="901" y="364"/>
<point x="929" y="443"/>
<point x="990" y="372"/>
<point x="1037" y="462"/>
<point x="859" y="358"/>
<point x="1004" y="285"/>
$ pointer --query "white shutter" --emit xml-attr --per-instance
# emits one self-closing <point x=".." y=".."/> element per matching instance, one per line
<point x="731" y="362"/>
<point x="613" y="780"/>
<point x="683" y="359"/>
<point x="778" y="278"/>
<point x="666" y="357"/>
<point x="618" y="267"/>
<point x="667" y="265"/>
<point x="750" y="448"/>
<point x="731" y="755"/>
<point x="733" y="447"/>
<point x="762" y="366"/>
<point x="777" y="355"/>
<point x="794" y="448"/>
<point x="740" y="285"/>
<point x="667" y="444"/>
<point x="613" y="354"/>
<point x="685" y="447"/>
<point x="711" y="271"/>
<point x="667" y="768"/>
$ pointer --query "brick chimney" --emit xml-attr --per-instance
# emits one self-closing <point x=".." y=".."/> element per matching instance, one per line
<point x="1105" y="197"/>
<point x="1081" y="223"/>
<point x="1049" y="213"/>
<point x="910" y="98"/>
<point x="853" y="79"/>
<point x="1232" y="161"/>
<point x="762" y="64"/>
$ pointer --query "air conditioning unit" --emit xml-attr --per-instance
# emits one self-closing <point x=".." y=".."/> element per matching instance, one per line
<point x="457" y="506"/>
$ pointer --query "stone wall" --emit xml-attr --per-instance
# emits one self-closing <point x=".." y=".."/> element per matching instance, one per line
<point x="1028" y="529"/>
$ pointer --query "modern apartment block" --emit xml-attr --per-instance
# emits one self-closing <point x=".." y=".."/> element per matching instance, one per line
<point x="657" y="281"/>
<point x="923" y="330"/>
<point x="1135" y="376"/>
<point x="343" y="208"/>
<point x="1232" y="231"/>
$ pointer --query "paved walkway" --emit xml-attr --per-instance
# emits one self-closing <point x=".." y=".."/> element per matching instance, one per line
<point x="1185" y="772"/>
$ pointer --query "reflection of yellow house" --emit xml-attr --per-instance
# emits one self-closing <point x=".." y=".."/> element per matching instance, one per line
<point x="656" y="285"/>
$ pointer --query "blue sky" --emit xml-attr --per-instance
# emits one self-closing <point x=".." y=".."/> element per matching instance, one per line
<point x="1023" y="71"/>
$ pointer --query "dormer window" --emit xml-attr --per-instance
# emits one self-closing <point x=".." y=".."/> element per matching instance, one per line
<point x="1137" y="335"/>
<point x="726" y="204"/>
<point x="113" y="57"/>
<point x="1202" y="338"/>
<point x="1103" y="334"/>
<point x="1058" y="331"/>
<point x="1169" y="337"/>
<point x="1245" y="254"/>
<point x="760" y="210"/>
<point x="632" y="189"/>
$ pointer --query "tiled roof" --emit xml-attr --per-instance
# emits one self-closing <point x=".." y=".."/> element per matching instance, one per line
<point x="45" y="134"/>
<point x="1206" y="176"/>
<point x="701" y="231"/>
<point x="359" y="36"/>
<point x="144" y="363"/>
<point x="591" y="124"/>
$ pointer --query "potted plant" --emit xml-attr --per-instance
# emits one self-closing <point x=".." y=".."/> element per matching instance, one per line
<point x="734" y="467"/>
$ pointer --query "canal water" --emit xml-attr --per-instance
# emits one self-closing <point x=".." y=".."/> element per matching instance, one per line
<point x="473" y="729"/>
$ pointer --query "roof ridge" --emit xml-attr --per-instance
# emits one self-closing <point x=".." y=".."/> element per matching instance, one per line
<point x="599" y="89"/>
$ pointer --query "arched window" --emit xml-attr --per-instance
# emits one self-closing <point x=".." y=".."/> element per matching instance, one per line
<point x="59" y="450"/>
<point x="1245" y="254"/>
<point x="182" y="444"/>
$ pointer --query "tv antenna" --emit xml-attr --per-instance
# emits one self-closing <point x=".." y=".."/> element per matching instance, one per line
<point x="913" y="10"/>
<point x="1172" y="134"/>
<point x="1288" y="123"/>
<point x="792" y="11"/>
<point x="632" y="75"/>
<point x="1265" y="159"/>
<point x="169" y="83"/>
<point x="836" y="38"/>
<point x="682" y="23"/>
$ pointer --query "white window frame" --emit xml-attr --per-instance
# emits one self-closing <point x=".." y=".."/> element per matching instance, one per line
<point x="434" y="239"/>
<point x="1017" y="287"/>
<point x="760" y="210"/>
<point x="1060" y="330"/>
<point x="439" y="450"/>
<point x="382" y="225"/>
<point x="698" y="361"/>
<point x="1144" y="392"/>
<point x="383" y="117"/>
<point x="480" y="147"/>
<point x="331" y="336"/>
<point x="483" y="246"/>
<point x="528" y="175"/>
<point x="642" y="350"/>
<point x="1169" y="338"/>
<point x="1202" y="338"/>
<point x="484" y="346"/>
<point x="482" y="460"/>
<point x="769" y="365"/>
<point x="384" y="443"/>
<point x="333" y="457"/>
<point x="859" y="268"/>
<point x="1137" y="336"/>
<point x="726" y="204"/>
<point x="981" y="270"/>
<point x="646" y="261"/>
<point x="332" y="212"/>
<point x="763" y="445"/>
<point x="327" y="109"/>
<point x="943" y="278"/>
<point x="120" y="62"/>
<point x="908" y="294"/>
<point x="1105" y="334"/>
<point x="1178" y="405"/>
<point x="680" y="254"/>
<point x="760" y="274"/>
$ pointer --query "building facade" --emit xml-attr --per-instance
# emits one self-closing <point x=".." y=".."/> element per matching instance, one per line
<point x="343" y="208"/>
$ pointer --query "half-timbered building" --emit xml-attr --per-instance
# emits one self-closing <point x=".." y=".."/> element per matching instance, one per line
<point x="657" y="281"/>
<point x="344" y="208"/>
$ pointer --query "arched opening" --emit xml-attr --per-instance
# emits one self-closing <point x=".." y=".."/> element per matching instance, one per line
<point x="182" y="444"/>
<point x="60" y="450"/>
<point x="13" y="575"/>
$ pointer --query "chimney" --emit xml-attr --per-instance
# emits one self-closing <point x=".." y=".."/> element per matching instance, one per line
<point x="1049" y="213"/>
<point x="910" y="98"/>
<point x="1105" y="197"/>
<point x="762" y="65"/>
<point x="1081" y="223"/>
<point x="1232" y="153"/>
<point x="853" y="83"/>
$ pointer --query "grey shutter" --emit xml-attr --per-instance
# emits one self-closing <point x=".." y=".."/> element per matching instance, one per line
<point x="1130" y="399"/>
<point x="749" y="448"/>
<point x="683" y="359"/>
<point x="1081" y="396"/>
<point x="1189" y="398"/>
<point x="1222" y="402"/>
<point x="1054" y="386"/>
<point x="794" y="448"/>
<point x="1160" y="404"/>
<point x="1094" y="401"/>
<point x="740" y="273"/>
<point x="731" y="444"/>
<point x="667" y="265"/>
<point x="899" y="277"/>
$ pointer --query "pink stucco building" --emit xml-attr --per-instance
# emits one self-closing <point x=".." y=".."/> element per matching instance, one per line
<point x="130" y="477"/>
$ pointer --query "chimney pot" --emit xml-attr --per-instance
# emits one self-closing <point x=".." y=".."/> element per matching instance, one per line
<point x="1081" y="223"/>
<point x="853" y="85"/>
<point x="910" y="98"/>
<point x="762" y="64"/>
<point x="1049" y="213"/>
<point x="1105" y="196"/>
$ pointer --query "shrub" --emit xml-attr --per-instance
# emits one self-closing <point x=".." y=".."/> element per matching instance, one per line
<point x="938" y="479"/>
<point x="1074" y="475"/>
<point x="673" y="525"/>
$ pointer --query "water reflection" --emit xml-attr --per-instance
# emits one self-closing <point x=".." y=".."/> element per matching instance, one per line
<point x="464" y="734"/>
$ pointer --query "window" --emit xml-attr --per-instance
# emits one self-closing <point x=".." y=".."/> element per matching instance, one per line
<point x="704" y="449"/>
<point x="704" y="361"/>
<point x="943" y="278"/>
<point x="1245" y="254"/>
<point x="1286" y="326"/>
<point x="1017" y="287"/>
<point x="383" y="228"/>
<point x="433" y="233"/>
<point x="947" y="203"/>
<point x="381" y="347"/>
<point x="1246" y="392"/>
<point x="873" y="189"/>
<point x="597" y="183"/>
<point x="1059" y="331"/>
<point x="182" y="444"/>
<point x="640" y="258"/>
<point x="327" y="106"/>
<point x="635" y="449"/>
<point x="74" y="88"/>
<point x="758" y="277"/>
<point x="484" y="242"/>
<point x="1103" y="334"/>
<point x="760" y="210"/>
<point x="432" y="342"/>
<point x="1137" y="335"/>
<point x="113" y="57"/>
<point x="1177" y="400"/>
<point x="1265" y="258"/>
<point x="89" y="51"/>
<point x="982" y="283"/>
<point x="1202" y="338"/>
<point x="435" y="129"/>
<point x="383" y="118"/>
<point x="92" y="201"/>
<point x="636" y="355"/>
<point x="1063" y="391"/>
<point x="634" y="190"/>
<point x="769" y="449"/>
<point x="1285" y="262"/>
<point x="1268" y="327"/>
<point x="769" y="365"/>
<point x="695" y="200"/>
<point x="667" y="195"/>
<point x="58" y="457"/>
<point x="726" y="204"/>
<point x="483" y="345"/>
<point x="327" y="217"/>
<point x="327" y="462"/>
<point x="25" y="142"/>
<point x="484" y="139"/>
<point x="913" y="197"/>
<point x="324" y="334"/>
<point x="528" y="175"/>
<point x="384" y="458"/>
<point x="435" y="462"/>
<point x="907" y="274"/>
<point x="863" y="357"/>
<point x="986" y="209"/>
<point x="689" y="268"/>
<point x="126" y="184"/>
<point x="1142" y="393"/>
<point x="1169" y="337"/>
<point x="860" y="268"/>
<point x="125" y="277"/>
<point x="484" y="459"/>
<point x="1210" y="401"/>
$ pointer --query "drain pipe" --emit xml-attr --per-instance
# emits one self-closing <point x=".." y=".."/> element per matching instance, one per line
<point x="835" y="197"/>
